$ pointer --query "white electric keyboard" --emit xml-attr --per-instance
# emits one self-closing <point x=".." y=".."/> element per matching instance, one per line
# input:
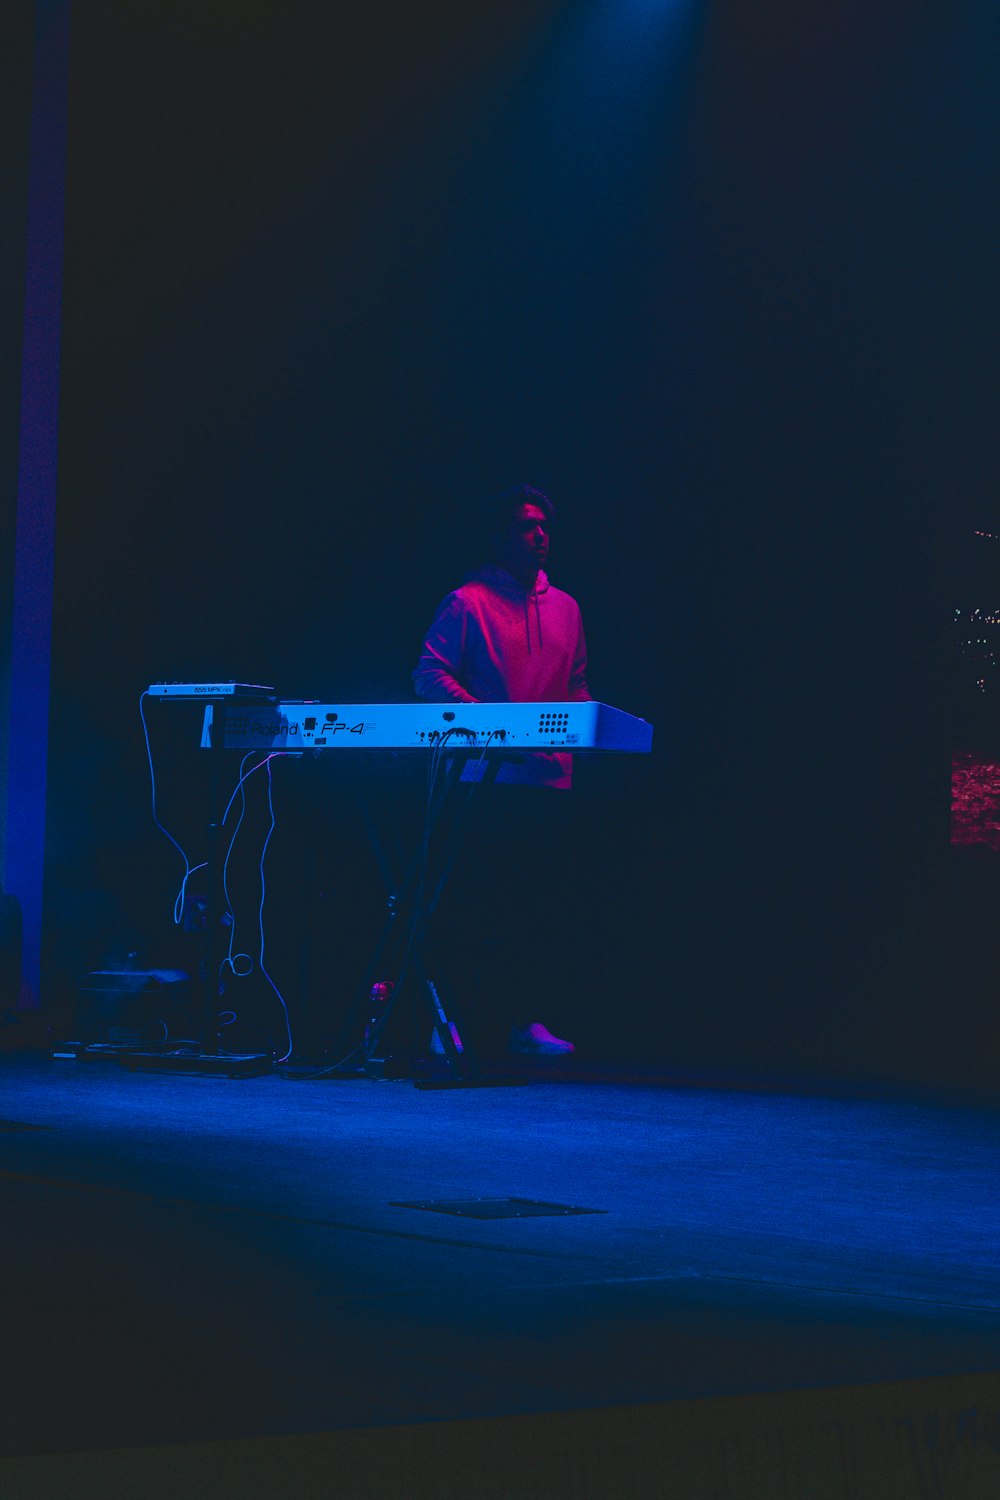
<point x="424" y="726"/>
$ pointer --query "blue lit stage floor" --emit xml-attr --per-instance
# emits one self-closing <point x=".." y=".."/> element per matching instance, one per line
<point x="191" y="1258"/>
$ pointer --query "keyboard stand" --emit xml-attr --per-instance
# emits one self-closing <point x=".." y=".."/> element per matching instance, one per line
<point x="412" y="967"/>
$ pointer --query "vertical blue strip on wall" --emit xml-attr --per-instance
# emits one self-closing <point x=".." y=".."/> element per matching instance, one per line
<point x="36" y="483"/>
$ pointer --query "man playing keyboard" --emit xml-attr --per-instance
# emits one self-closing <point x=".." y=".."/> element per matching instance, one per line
<point x="506" y="635"/>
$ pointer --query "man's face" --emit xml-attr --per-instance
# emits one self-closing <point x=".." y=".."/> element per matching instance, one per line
<point x="528" y="539"/>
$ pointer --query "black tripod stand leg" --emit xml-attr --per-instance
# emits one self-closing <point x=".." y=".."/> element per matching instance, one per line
<point x="454" y="1056"/>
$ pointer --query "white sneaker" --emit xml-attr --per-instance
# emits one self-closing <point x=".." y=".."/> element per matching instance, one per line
<point x="537" y="1040"/>
<point x="436" y="1046"/>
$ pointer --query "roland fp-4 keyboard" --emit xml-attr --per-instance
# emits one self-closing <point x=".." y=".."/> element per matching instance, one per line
<point x="425" y="726"/>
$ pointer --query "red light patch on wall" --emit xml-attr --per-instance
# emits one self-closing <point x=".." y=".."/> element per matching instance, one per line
<point x="975" y="800"/>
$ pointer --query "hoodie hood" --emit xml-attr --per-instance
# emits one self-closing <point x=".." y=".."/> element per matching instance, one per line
<point x="505" y="583"/>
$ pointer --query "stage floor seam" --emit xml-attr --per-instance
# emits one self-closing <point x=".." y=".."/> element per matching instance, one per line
<point x="812" y="1288"/>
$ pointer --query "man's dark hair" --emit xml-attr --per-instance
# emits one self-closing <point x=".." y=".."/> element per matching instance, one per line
<point x="501" y="509"/>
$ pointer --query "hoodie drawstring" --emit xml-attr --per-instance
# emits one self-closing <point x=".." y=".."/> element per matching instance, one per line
<point x="527" y="620"/>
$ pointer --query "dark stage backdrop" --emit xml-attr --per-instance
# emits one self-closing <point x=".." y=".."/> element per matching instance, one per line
<point x="716" y="276"/>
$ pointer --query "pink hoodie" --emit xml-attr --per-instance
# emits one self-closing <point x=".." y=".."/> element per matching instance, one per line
<point x="493" y="641"/>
